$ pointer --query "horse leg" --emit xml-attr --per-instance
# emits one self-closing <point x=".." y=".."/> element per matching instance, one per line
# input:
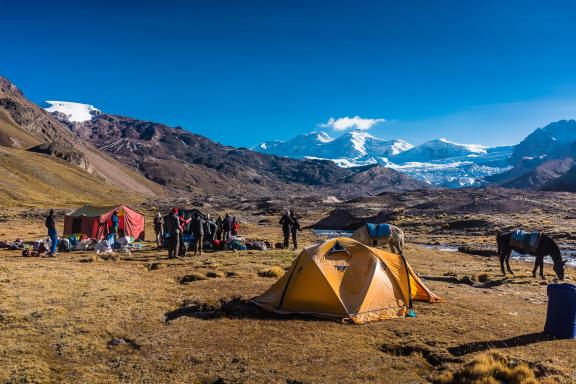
<point x="535" y="267"/>
<point x="542" y="268"/>
<point x="502" y="257"/>
<point x="508" y="262"/>
<point x="392" y="245"/>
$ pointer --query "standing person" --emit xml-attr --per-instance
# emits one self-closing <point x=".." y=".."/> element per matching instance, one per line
<point x="235" y="226"/>
<point x="211" y="229"/>
<point x="219" y="228"/>
<point x="286" y="222"/>
<point x="52" y="232"/>
<point x="173" y="228"/>
<point x="159" y="229"/>
<point x="227" y="225"/>
<point x="198" y="232"/>
<point x="295" y="228"/>
<point x="184" y="228"/>
<point x="114" y="225"/>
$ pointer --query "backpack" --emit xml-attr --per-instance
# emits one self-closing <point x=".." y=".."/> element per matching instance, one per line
<point x="64" y="245"/>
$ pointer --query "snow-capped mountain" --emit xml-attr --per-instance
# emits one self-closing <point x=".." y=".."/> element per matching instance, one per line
<point x="439" y="162"/>
<point x="438" y="149"/>
<point x="72" y="112"/>
<point x="357" y="145"/>
<point x="553" y="141"/>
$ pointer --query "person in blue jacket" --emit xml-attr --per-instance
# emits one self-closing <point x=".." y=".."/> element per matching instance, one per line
<point x="114" y="225"/>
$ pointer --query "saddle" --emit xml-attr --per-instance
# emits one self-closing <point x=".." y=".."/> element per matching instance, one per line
<point x="528" y="241"/>
<point x="377" y="231"/>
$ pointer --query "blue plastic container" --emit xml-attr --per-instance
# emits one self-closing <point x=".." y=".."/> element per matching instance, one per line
<point x="561" y="316"/>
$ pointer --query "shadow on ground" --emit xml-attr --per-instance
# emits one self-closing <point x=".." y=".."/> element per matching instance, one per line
<point x="516" y="341"/>
<point x="236" y="308"/>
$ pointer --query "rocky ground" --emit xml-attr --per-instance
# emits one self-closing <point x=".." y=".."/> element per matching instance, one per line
<point x="139" y="317"/>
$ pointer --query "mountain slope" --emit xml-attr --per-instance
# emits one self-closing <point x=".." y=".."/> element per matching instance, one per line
<point x="37" y="180"/>
<point x="24" y="125"/>
<point x="187" y="162"/>
<point x="542" y="157"/>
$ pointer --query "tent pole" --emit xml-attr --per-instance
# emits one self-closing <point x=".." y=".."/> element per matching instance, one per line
<point x="411" y="312"/>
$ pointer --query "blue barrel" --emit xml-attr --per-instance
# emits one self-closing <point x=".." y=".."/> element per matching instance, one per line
<point x="561" y="316"/>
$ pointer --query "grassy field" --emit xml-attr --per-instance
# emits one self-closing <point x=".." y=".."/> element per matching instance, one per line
<point x="142" y="318"/>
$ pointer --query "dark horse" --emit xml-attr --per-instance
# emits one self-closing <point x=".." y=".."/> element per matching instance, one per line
<point x="547" y="246"/>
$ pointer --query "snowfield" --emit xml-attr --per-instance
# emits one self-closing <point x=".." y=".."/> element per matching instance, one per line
<point x="439" y="162"/>
<point x="74" y="112"/>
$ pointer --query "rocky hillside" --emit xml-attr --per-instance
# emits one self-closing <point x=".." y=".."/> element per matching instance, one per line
<point x="186" y="162"/>
<point x="543" y="159"/>
<point x="25" y="126"/>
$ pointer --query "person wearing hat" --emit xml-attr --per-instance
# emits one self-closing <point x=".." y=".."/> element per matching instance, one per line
<point x="174" y="229"/>
<point x="52" y="232"/>
<point x="159" y="229"/>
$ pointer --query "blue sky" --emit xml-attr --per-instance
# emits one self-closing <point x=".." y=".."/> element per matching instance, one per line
<point x="241" y="72"/>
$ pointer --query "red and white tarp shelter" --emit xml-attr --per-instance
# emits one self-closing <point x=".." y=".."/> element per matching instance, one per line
<point x="95" y="222"/>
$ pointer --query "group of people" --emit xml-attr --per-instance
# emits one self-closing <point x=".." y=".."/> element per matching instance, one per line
<point x="203" y="228"/>
<point x="290" y="226"/>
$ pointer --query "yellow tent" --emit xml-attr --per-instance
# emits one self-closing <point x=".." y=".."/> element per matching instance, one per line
<point x="344" y="279"/>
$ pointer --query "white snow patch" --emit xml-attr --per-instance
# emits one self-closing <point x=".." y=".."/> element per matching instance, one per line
<point x="74" y="112"/>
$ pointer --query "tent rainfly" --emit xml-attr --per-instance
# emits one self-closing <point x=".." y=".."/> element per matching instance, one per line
<point x="94" y="222"/>
<point x="346" y="280"/>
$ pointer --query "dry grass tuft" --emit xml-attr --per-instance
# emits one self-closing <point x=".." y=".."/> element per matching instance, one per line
<point x="215" y="274"/>
<point x="156" y="266"/>
<point x="489" y="368"/>
<point x="89" y="259"/>
<point x="271" y="272"/>
<point x="483" y="277"/>
<point x="191" y="278"/>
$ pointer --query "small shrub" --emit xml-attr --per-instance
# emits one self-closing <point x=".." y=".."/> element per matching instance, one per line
<point x="271" y="272"/>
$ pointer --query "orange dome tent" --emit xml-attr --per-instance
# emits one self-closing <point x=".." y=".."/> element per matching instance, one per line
<point x="344" y="279"/>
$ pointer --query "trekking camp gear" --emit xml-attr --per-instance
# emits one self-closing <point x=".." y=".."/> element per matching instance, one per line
<point x="346" y="280"/>
<point x="93" y="222"/>
<point x="561" y="316"/>
<point x="528" y="241"/>
<point x="378" y="231"/>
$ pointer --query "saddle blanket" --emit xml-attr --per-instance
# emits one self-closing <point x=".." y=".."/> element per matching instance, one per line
<point x="528" y="241"/>
<point x="377" y="231"/>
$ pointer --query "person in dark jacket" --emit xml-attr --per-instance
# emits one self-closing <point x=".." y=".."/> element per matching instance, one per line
<point x="219" y="228"/>
<point x="286" y="222"/>
<point x="52" y="232"/>
<point x="174" y="229"/>
<point x="295" y="228"/>
<point x="159" y="229"/>
<point x="228" y="226"/>
<point x="198" y="232"/>
<point x="210" y="229"/>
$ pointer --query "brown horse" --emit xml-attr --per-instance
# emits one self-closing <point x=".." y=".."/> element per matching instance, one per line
<point x="395" y="240"/>
<point x="546" y="247"/>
